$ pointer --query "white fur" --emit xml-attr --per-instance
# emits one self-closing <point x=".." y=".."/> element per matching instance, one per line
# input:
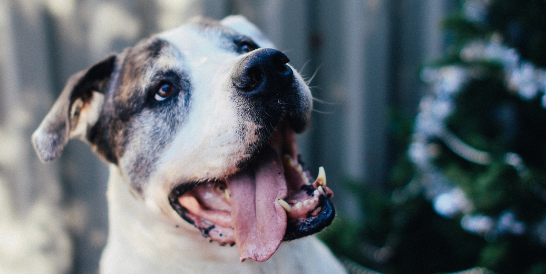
<point x="141" y="241"/>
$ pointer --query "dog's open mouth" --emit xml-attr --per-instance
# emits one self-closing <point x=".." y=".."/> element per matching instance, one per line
<point x="270" y="200"/>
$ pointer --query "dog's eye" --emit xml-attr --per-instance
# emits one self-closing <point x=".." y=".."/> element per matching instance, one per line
<point x="246" y="45"/>
<point x="164" y="91"/>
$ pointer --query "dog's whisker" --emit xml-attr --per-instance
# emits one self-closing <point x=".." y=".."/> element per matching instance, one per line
<point x="313" y="76"/>
<point x="323" y="112"/>
<point x="304" y="65"/>
<point x="323" y="101"/>
<point x="287" y="51"/>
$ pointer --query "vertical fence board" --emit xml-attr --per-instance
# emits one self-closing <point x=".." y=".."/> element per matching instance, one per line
<point x="30" y="194"/>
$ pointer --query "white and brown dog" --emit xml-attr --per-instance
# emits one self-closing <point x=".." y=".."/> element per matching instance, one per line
<point x="198" y="126"/>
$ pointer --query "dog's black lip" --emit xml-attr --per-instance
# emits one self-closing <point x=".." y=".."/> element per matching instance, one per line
<point x="181" y="189"/>
<point x="176" y="193"/>
<point x="295" y="228"/>
<point x="298" y="228"/>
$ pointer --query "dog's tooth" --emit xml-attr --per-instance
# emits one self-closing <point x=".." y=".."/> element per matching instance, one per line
<point x="226" y="195"/>
<point x="321" y="178"/>
<point x="306" y="203"/>
<point x="299" y="168"/>
<point x="285" y="205"/>
<point x="298" y="205"/>
<point x="321" y="190"/>
<point x="287" y="160"/>
<point x="316" y="192"/>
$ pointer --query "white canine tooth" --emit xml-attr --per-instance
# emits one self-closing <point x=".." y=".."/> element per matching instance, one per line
<point x="306" y="203"/>
<point x="226" y="195"/>
<point x="299" y="168"/>
<point x="316" y="199"/>
<point x="321" y="190"/>
<point x="284" y="205"/>
<point x="298" y="205"/>
<point x="316" y="192"/>
<point x="321" y="178"/>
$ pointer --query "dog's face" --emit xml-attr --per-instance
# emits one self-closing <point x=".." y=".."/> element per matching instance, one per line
<point x="201" y="122"/>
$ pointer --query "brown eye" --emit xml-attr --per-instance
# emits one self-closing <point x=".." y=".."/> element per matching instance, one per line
<point x="246" y="45"/>
<point x="165" y="90"/>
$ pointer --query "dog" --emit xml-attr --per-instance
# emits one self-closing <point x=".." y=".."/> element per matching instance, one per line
<point x="198" y="125"/>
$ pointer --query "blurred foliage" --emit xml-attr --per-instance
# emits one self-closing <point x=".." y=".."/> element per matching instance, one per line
<point x="408" y="236"/>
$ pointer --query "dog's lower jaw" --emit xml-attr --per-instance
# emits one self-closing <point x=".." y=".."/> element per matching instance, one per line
<point x="142" y="241"/>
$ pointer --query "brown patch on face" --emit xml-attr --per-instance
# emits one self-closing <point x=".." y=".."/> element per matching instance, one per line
<point x="135" y="126"/>
<point x="129" y="93"/>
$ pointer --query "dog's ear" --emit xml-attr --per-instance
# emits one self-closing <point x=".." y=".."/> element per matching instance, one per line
<point x="76" y="110"/>
<point x="241" y="25"/>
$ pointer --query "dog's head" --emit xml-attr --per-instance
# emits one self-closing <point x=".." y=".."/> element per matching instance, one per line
<point x="201" y="123"/>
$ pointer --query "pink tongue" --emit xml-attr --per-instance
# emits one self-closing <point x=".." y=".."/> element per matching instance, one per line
<point x="259" y="222"/>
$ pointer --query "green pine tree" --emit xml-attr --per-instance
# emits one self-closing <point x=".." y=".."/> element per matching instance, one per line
<point x="470" y="192"/>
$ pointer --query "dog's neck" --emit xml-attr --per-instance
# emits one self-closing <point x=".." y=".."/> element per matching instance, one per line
<point x="140" y="235"/>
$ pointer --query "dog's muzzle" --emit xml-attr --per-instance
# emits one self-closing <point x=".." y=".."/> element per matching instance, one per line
<point x="269" y="86"/>
<point x="271" y="197"/>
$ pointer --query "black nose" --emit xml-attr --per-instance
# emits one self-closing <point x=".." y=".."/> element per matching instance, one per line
<point x="263" y="71"/>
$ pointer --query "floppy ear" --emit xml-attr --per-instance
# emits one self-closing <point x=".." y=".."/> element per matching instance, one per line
<point x="76" y="110"/>
<point x="241" y="25"/>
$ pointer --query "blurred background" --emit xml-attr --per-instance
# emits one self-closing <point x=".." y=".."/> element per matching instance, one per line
<point x="429" y="121"/>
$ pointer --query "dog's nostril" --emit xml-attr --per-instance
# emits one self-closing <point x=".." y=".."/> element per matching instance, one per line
<point x="255" y="78"/>
<point x="249" y="79"/>
<point x="284" y="69"/>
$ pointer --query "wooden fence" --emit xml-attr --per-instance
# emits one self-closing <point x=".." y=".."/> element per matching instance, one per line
<point x="365" y="55"/>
